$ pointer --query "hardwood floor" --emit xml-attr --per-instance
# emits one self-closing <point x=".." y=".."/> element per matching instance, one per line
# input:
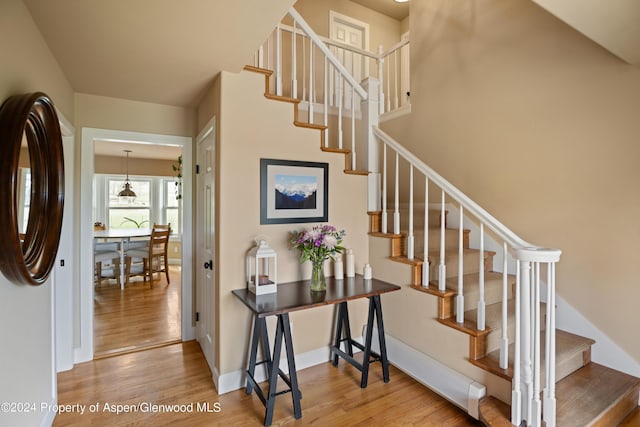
<point x="179" y="375"/>
<point x="140" y="316"/>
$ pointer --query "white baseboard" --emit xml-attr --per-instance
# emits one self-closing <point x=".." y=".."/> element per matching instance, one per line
<point x="452" y="385"/>
<point x="49" y="415"/>
<point x="604" y="351"/>
<point x="236" y="380"/>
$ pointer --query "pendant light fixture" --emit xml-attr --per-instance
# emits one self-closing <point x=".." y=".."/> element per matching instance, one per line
<point x="127" y="192"/>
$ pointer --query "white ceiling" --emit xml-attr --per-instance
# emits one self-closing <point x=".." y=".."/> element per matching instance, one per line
<point x="159" y="51"/>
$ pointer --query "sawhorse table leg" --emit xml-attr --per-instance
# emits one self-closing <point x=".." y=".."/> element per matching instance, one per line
<point x="283" y="335"/>
<point x="342" y="325"/>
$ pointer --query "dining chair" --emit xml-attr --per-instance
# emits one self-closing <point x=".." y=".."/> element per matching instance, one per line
<point x="154" y="256"/>
<point x="106" y="261"/>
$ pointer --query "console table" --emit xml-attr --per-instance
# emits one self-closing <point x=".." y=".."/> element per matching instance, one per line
<point x="296" y="296"/>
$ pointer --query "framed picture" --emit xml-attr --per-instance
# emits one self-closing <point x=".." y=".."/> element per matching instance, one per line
<point x="292" y="191"/>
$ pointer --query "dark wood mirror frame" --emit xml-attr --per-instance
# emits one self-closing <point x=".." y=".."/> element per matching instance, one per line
<point x="33" y="116"/>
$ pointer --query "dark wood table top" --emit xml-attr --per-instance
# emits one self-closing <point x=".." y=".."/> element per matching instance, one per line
<point x="294" y="296"/>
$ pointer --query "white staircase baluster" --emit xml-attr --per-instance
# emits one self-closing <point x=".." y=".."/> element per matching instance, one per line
<point x="261" y="57"/>
<point x="340" y="83"/>
<point x="460" y="296"/>
<point x="442" y="268"/>
<point x="388" y="78"/>
<point x="395" y="78"/>
<point x="332" y="89"/>
<point x="526" y="339"/>
<point x="278" y="61"/>
<point x="269" y="50"/>
<point x="304" y="69"/>
<point x="353" y="128"/>
<point x="536" y="404"/>
<point x="516" y="385"/>
<point x="325" y="101"/>
<point x="504" y="341"/>
<point x="384" y="189"/>
<point x="396" y="213"/>
<point x="549" y="403"/>
<point x="380" y="62"/>
<point x="311" y="88"/>
<point x="410" y="238"/>
<point x="481" y="302"/>
<point x="425" y="255"/>
<point x="294" y="63"/>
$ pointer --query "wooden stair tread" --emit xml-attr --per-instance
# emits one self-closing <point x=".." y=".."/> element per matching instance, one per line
<point x="335" y="150"/>
<point x="433" y="290"/>
<point x="281" y="98"/>
<point x="309" y="125"/>
<point x="494" y="412"/>
<point x="469" y="327"/>
<point x="405" y="260"/>
<point x="259" y="70"/>
<point x="385" y="235"/>
<point x="356" y="172"/>
<point x="567" y="346"/>
<point x="632" y="420"/>
<point x="595" y="395"/>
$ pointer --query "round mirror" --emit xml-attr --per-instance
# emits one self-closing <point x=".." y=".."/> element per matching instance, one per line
<point x="34" y="194"/>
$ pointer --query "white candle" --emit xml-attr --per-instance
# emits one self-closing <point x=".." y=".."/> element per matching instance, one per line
<point x="338" y="274"/>
<point x="367" y="272"/>
<point x="351" y="269"/>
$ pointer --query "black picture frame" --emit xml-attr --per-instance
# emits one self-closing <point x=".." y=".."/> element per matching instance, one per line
<point x="293" y="191"/>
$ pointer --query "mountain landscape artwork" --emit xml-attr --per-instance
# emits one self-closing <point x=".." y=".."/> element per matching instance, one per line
<point x="295" y="191"/>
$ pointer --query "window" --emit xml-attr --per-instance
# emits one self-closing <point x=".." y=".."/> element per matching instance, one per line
<point x="155" y="202"/>
<point x="134" y="213"/>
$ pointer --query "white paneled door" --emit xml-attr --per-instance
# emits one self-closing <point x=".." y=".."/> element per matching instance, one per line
<point x="354" y="33"/>
<point x="205" y="256"/>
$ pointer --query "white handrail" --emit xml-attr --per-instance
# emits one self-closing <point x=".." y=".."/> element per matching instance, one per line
<point x="526" y="251"/>
<point x="325" y="50"/>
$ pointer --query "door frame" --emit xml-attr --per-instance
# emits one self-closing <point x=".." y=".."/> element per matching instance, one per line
<point x="84" y="352"/>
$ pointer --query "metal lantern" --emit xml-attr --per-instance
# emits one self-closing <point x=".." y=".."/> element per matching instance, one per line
<point x="262" y="269"/>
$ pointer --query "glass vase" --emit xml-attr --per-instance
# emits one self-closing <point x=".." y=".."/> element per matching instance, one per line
<point x="318" y="282"/>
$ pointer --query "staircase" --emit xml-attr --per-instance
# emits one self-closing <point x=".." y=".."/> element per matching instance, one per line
<point x="475" y="300"/>
<point x="587" y="393"/>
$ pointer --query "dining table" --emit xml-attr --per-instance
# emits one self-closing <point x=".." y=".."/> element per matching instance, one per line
<point x="123" y="236"/>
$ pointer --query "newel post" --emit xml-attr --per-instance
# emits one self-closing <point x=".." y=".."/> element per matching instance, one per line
<point x="371" y="118"/>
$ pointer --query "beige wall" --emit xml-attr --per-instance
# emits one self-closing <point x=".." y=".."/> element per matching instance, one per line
<point x="25" y="311"/>
<point x="540" y="126"/>
<point x="119" y="114"/>
<point x="251" y="128"/>
<point x="145" y="167"/>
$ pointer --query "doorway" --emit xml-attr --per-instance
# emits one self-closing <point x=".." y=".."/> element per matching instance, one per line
<point x="85" y="351"/>
<point x="133" y="312"/>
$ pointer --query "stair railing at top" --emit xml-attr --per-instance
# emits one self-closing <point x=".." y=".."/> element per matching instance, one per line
<point x="319" y="72"/>
<point x="528" y="258"/>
